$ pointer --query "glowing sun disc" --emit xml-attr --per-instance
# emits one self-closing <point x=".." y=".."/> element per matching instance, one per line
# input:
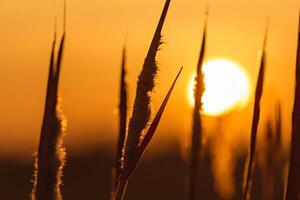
<point x="226" y="87"/>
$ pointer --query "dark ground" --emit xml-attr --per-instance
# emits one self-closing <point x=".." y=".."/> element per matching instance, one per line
<point x="89" y="178"/>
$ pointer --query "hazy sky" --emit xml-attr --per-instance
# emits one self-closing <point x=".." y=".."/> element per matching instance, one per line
<point x="96" y="32"/>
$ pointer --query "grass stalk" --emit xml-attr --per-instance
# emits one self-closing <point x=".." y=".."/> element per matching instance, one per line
<point x="50" y="158"/>
<point x="145" y="85"/>
<point x="254" y="126"/>
<point x="129" y="167"/>
<point x="122" y="123"/>
<point x="51" y="154"/>
<point x="293" y="183"/>
<point x="197" y="130"/>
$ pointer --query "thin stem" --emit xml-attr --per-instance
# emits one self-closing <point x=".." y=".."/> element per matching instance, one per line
<point x="121" y="190"/>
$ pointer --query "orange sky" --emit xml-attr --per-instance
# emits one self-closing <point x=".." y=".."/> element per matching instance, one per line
<point x="96" y="31"/>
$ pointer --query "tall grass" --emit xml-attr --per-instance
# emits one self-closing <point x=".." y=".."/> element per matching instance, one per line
<point x="128" y="169"/>
<point x="145" y="85"/>
<point x="50" y="158"/>
<point x="293" y="184"/>
<point x="197" y="131"/>
<point x="134" y="143"/>
<point x="51" y="155"/>
<point x="122" y="123"/>
<point x="255" y="121"/>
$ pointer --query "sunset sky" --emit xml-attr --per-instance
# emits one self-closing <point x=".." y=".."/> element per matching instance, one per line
<point x="96" y="33"/>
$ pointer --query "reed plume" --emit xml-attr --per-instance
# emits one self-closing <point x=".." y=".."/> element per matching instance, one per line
<point x="197" y="131"/>
<point x="145" y="85"/>
<point x="141" y="112"/>
<point x="141" y="108"/>
<point x="50" y="158"/>
<point x="129" y="167"/>
<point x="51" y="155"/>
<point x="122" y="123"/>
<point x="293" y="184"/>
<point x="255" y="121"/>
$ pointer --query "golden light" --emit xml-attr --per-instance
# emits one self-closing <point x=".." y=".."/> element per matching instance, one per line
<point x="226" y="87"/>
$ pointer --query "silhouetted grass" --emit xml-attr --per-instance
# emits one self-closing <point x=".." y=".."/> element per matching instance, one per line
<point x="255" y="121"/>
<point x="141" y="108"/>
<point x="50" y="158"/>
<point x="145" y="85"/>
<point x="51" y="154"/>
<point x="197" y="132"/>
<point x="293" y="184"/>
<point x="122" y="123"/>
<point x="129" y="167"/>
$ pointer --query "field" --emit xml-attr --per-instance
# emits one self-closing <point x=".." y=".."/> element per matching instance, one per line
<point x="210" y="126"/>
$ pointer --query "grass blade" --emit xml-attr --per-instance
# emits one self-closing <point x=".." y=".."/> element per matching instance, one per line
<point x="145" y="85"/>
<point x="293" y="184"/>
<point x="122" y="123"/>
<point x="149" y="134"/>
<point x="129" y="168"/>
<point x="51" y="155"/>
<point x="197" y="132"/>
<point x="278" y="125"/>
<point x="255" y="121"/>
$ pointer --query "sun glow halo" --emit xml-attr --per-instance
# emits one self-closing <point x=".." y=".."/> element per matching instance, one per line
<point x="226" y="87"/>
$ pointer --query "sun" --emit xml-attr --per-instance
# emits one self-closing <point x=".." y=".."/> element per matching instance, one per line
<point x="226" y="87"/>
